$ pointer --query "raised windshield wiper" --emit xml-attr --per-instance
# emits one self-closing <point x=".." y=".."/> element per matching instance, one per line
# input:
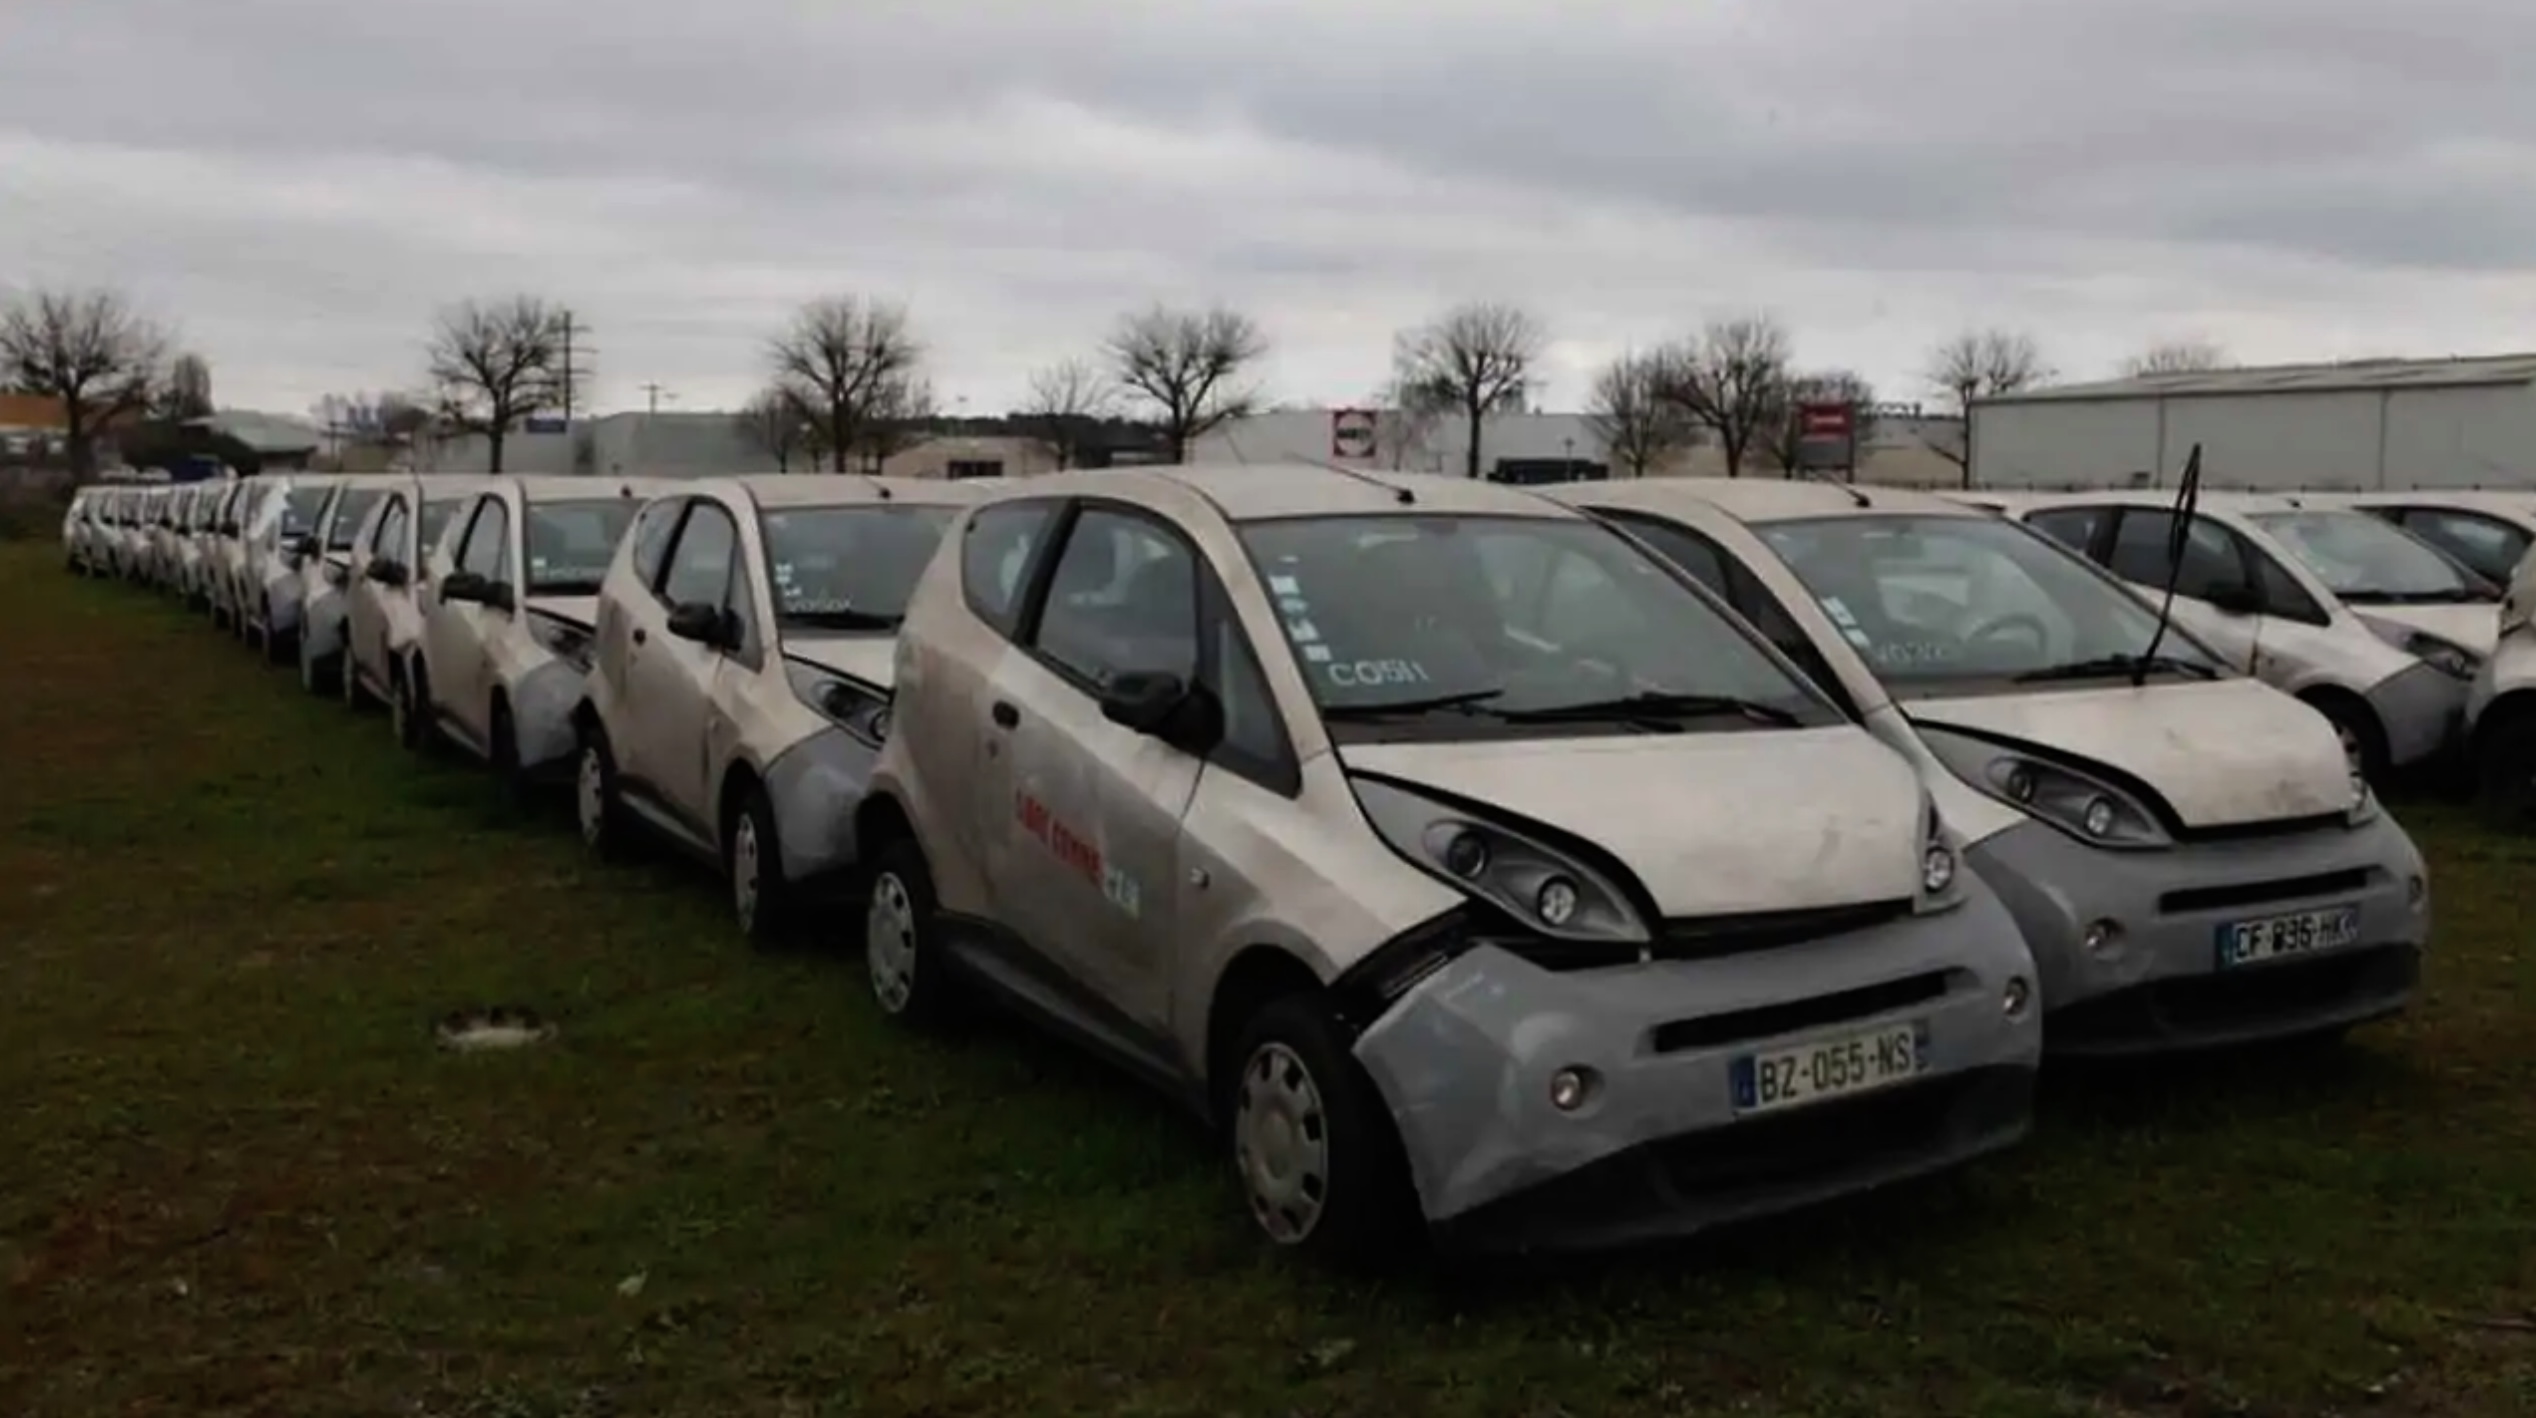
<point x="2108" y="666"/>
<point x="2452" y="596"/>
<point x="1399" y="708"/>
<point x="1657" y="704"/>
<point x="842" y="620"/>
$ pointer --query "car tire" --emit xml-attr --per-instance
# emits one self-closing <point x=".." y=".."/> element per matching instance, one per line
<point x="412" y="712"/>
<point x="903" y="960"/>
<point x="2505" y="770"/>
<point x="1312" y="1143"/>
<point x="762" y="900"/>
<point x="599" y="812"/>
<point x="276" y="646"/>
<point x="502" y="750"/>
<point x="2363" y="739"/>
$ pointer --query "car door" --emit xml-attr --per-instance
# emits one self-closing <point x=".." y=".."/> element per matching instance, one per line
<point x="1001" y="551"/>
<point x="1094" y="822"/>
<point x="365" y="612"/>
<point x="669" y="681"/>
<point x="457" y="633"/>
<point x="629" y="603"/>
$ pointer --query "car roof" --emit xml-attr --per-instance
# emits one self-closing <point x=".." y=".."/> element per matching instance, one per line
<point x="844" y="489"/>
<point x="1762" y="499"/>
<point x="567" y="487"/>
<point x="1251" y="492"/>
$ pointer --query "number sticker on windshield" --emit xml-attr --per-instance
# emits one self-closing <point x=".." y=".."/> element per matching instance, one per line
<point x="1368" y="674"/>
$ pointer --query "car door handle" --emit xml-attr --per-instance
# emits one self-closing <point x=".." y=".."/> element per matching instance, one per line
<point x="639" y="637"/>
<point x="1006" y="715"/>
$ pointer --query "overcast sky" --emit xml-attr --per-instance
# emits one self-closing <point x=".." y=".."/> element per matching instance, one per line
<point x="297" y="184"/>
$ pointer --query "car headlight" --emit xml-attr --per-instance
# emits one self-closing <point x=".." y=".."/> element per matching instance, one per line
<point x="563" y="640"/>
<point x="2077" y="803"/>
<point x="2445" y="656"/>
<point x="1540" y="886"/>
<point x="856" y="708"/>
<point x="2364" y="802"/>
<point x="1940" y="868"/>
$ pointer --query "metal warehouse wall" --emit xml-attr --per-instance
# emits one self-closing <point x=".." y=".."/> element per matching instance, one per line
<point x="2358" y="439"/>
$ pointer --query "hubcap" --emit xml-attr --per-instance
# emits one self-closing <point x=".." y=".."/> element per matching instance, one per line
<point x="591" y="793"/>
<point x="744" y="870"/>
<point x="889" y="943"/>
<point x="1281" y="1142"/>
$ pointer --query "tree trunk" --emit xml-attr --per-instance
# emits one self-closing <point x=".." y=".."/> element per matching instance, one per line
<point x="1470" y="453"/>
<point x="493" y="446"/>
<point x="78" y="443"/>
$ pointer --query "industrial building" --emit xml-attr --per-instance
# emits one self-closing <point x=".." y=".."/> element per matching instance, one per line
<point x="2361" y="425"/>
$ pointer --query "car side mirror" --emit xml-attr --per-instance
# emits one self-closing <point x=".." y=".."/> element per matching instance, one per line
<point x="704" y="623"/>
<point x="305" y="544"/>
<point x="1165" y="706"/>
<point x="500" y="596"/>
<point x="387" y="573"/>
<point x="2236" y="598"/>
<point x="228" y="529"/>
<point x="463" y="586"/>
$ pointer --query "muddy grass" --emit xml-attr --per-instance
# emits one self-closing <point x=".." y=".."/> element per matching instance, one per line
<point x="237" y="1176"/>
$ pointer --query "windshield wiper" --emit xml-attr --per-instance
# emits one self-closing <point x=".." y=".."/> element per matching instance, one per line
<point x="1658" y="704"/>
<point x="2453" y="596"/>
<point x="1396" y="708"/>
<point x="842" y="620"/>
<point x="2107" y="666"/>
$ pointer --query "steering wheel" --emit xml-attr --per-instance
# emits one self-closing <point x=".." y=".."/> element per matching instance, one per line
<point x="2011" y="627"/>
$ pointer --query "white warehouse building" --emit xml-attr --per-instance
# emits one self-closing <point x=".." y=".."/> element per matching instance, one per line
<point x="2365" y="425"/>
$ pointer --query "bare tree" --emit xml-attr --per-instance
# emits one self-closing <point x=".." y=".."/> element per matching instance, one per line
<point x="496" y="363"/>
<point x="1474" y="360"/>
<point x="846" y="362"/>
<point x="1064" y="400"/>
<point x="187" y="393"/>
<point x="1838" y="386"/>
<point x="1982" y="364"/>
<point x="775" y="425"/>
<point x="1732" y="381"/>
<point x="1189" y="365"/>
<point x="88" y="350"/>
<point x="1404" y="423"/>
<point x="1631" y="411"/>
<point x="901" y="419"/>
<point x="2190" y="356"/>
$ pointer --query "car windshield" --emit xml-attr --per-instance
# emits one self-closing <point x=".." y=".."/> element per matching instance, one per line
<point x="571" y="543"/>
<point x="2363" y="559"/>
<point x="436" y="515"/>
<point x="348" y="514"/>
<point x="299" y="510"/>
<point x="1927" y="599"/>
<point x="851" y="567"/>
<point x="1505" y="618"/>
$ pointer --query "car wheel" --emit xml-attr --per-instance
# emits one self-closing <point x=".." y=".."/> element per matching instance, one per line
<point x="2363" y="741"/>
<point x="314" y="671"/>
<point x="901" y="930"/>
<point x="276" y="645"/>
<point x="2505" y="770"/>
<point x="594" y="797"/>
<point x="753" y="863"/>
<point x="412" y="711"/>
<point x="1312" y="1143"/>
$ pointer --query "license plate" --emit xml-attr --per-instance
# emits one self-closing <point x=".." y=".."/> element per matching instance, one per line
<point x="2297" y="933"/>
<point x="1829" y="1068"/>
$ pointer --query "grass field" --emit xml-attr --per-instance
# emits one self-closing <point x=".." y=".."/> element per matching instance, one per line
<point x="236" y="1177"/>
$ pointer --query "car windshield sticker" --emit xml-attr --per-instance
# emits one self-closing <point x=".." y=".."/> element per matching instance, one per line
<point x="1079" y="854"/>
<point x="1366" y="674"/>
<point x="1833" y="607"/>
<point x="1285" y="586"/>
<point x="1317" y="654"/>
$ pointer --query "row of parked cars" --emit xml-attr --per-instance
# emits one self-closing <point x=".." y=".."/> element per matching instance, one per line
<point x="1553" y="867"/>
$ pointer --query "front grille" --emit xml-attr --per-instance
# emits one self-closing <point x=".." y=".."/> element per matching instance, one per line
<point x="1705" y="937"/>
<point x="1716" y="1030"/>
<point x="2258" y="893"/>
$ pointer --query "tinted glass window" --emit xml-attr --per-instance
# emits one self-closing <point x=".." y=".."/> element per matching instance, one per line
<point x="435" y="520"/>
<point x="487" y="551"/>
<point x="2070" y="526"/>
<point x="1681" y="546"/>
<point x="848" y="568"/>
<point x="2363" y="559"/>
<point x="995" y="549"/>
<point x="349" y="510"/>
<point x="700" y="565"/>
<point x="571" y="543"/>
<point x="300" y="508"/>
<point x="652" y="529"/>
<point x="390" y="538"/>
<point x="1534" y="613"/>
<point x="2488" y="546"/>
<point x="1937" y="598"/>
<point x="1123" y="600"/>
<point x="2212" y="559"/>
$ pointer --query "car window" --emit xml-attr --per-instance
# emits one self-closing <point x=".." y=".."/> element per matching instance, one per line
<point x="1535" y="613"/>
<point x="2490" y="546"/>
<point x="349" y="510"/>
<point x="700" y="563"/>
<point x="2366" y="559"/>
<point x="1122" y="600"/>
<point x="388" y="538"/>
<point x="2074" y="527"/>
<point x="1681" y="546"/>
<point x="850" y="567"/>
<point x="995" y="550"/>
<point x="487" y="548"/>
<point x="652" y="529"/>
<point x="1254" y="741"/>
<point x="2212" y="556"/>
<point x="1936" y="598"/>
<point x="570" y="543"/>
<point x="300" y="507"/>
<point x="433" y="522"/>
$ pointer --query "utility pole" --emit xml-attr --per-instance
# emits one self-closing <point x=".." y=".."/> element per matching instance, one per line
<point x="573" y="373"/>
<point x="652" y="395"/>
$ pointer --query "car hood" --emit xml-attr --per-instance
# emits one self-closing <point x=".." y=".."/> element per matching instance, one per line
<point x="2220" y="753"/>
<point x="873" y="659"/>
<point x="2474" y="626"/>
<point x="582" y="611"/>
<point x="1710" y="823"/>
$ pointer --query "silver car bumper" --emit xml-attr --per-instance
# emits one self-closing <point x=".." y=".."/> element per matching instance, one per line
<point x="815" y="787"/>
<point x="1466" y="1057"/>
<point x="2157" y="986"/>
<point x="2422" y="709"/>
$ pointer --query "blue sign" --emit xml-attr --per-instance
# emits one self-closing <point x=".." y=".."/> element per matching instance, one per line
<point x="544" y="423"/>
